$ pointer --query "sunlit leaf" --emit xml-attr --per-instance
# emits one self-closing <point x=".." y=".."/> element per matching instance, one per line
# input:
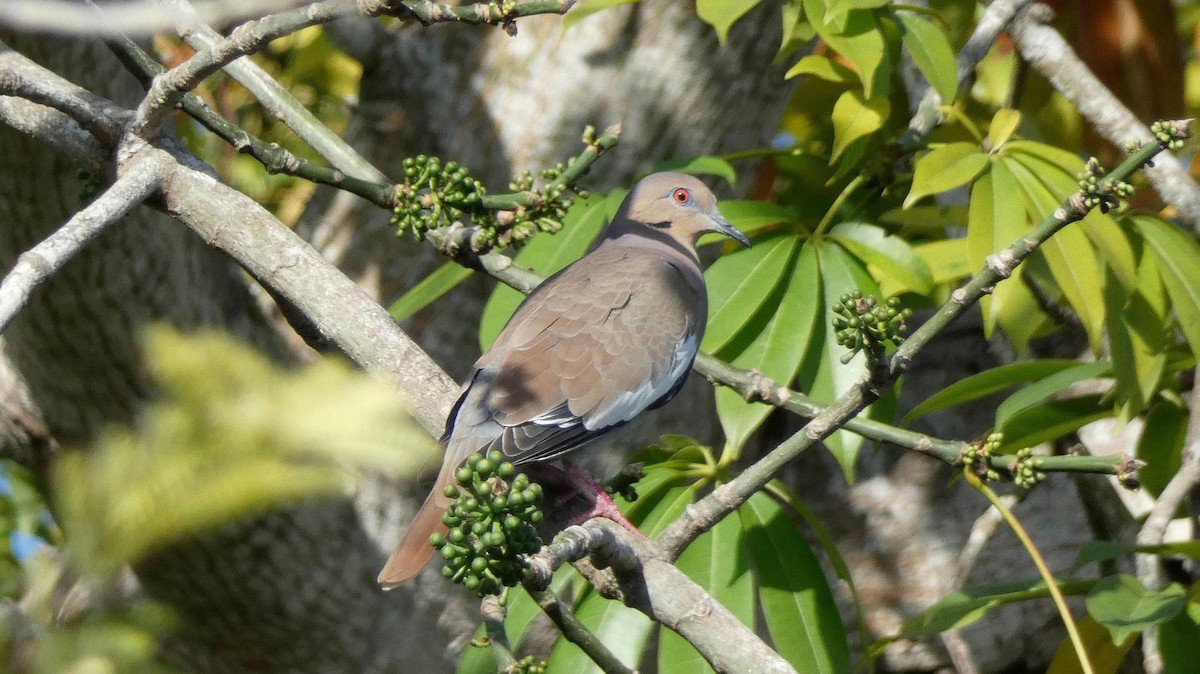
<point x="1179" y="638"/>
<point x="1004" y="125"/>
<point x="798" y="606"/>
<point x="1125" y="607"/>
<point x="931" y="51"/>
<point x="997" y="218"/>
<point x="946" y="260"/>
<point x="944" y="168"/>
<point x="821" y="67"/>
<point x="830" y="378"/>
<point x="855" y="117"/>
<point x="1069" y="256"/>
<point x="872" y="244"/>
<point x="855" y="35"/>
<point x="722" y="14"/>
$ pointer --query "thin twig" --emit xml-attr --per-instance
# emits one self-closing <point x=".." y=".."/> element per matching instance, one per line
<point x="578" y="633"/>
<point x="168" y="89"/>
<point x="273" y="157"/>
<point x="36" y="265"/>
<point x="279" y="102"/>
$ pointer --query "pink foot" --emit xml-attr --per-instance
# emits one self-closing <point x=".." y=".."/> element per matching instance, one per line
<point x="600" y="504"/>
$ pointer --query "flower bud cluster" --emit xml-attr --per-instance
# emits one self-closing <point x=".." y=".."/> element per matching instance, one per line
<point x="861" y="324"/>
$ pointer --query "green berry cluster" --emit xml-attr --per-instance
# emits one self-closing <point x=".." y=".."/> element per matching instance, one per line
<point x="1100" y="192"/>
<point x="526" y="665"/>
<point x="1171" y="134"/>
<point x="977" y="456"/>
<point x="435" y="195"/>
<point x="491" y="523"/>
<point x="864" y="325"/>
<point x="1024" y="469"/>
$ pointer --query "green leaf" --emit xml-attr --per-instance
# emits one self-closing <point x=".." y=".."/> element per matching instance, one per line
<point x="797" y="32"/>
<point x="585" y="8"/>
<point x="1004" y="125"/>
<point x="751" y="215"/>
<point x="856" y="36"/>
<point x="1125" y="607"/>
<point x="823" y="68"/>
<point x="944" y="168"/>
<point x="1052" y="420"/>
<point x="718" y="561"/>
<point x="996" y="218"/>
<point x="931" y="51"/>
<point x="1179" y="639"/>
<point x="1161" y="445"/>
<point x="799" y="608"/>
<point x="739" y="283"/>
<point x="1046" y="388"/>
<point x="706" y="165"/>
<point x="429" y="289"/>
<point x="946" y="260"/>
<point x="1104" y="656"/>
<point x="932" y="220"/>
<point x="854" y="118"/>
<point x="986" y="383"/>
<point x="722" y="14"/>
<point x="840" y="274"/>
<point x="545" y="254"/>
<point x="891" y="254"/>
<point x="1176" y="253"/>
<point x="1069" y="255"/>
<point x="963" y="607"/>
<point x="778" y="349"/>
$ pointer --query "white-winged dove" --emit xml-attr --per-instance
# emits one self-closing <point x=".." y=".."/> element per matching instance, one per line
<point x="592" y="347"/>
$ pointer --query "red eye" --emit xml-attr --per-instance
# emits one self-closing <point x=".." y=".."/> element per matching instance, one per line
<point x="681" y="195"/>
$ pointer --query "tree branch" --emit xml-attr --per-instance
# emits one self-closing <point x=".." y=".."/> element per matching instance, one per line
<point x="643" y="579"/>
<point x="1046" y="50"/>
<point x="36" y="265"/>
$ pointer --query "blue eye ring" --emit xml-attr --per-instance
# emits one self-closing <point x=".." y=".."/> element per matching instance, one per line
<point x="682" y="196"/>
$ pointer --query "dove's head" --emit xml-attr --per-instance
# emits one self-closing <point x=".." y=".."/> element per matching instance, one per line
<point x="677" y="205"/>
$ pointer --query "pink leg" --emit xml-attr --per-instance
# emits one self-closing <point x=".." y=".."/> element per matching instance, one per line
<point x="600" y="503"/>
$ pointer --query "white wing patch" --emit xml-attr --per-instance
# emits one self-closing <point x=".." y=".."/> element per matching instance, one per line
<point x="629" y="404"/>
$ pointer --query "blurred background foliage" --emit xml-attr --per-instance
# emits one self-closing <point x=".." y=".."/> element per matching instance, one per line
<point x="230" y="435"/>
<point x="835" y="204"/>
